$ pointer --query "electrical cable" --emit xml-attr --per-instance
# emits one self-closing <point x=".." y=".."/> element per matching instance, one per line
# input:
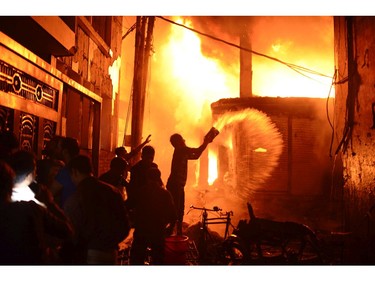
<point x="327" y="112"/>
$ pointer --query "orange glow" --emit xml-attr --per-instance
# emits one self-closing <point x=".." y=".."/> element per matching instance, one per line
<point x="212" y="166"/>
<point x="203" y="79"/>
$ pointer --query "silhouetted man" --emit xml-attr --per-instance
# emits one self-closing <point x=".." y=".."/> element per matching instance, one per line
<point x="179" y="170"/>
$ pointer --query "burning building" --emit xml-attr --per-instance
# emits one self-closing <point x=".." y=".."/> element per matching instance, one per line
<point x="281" y="152"/>
<point x="278" y="154"/>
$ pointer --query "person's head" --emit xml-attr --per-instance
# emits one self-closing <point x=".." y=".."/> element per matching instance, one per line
<point x="80" y="167"/>
<point x="119" y="165"/>
<point x="121" y="152"/>
<point x="148" y="153"/>
<point x="70" y="148"/>
<point x="7" y="177"/>
<point x="53" y="148"/>
<point x="9" y="143"/>
<point x="23" y="163"/>
<point x="177" y="140"/>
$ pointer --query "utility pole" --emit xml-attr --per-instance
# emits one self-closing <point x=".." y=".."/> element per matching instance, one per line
<point x="143" y="37"/>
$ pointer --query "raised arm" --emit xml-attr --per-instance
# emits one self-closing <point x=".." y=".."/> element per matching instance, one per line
<point x="136" y="150"/>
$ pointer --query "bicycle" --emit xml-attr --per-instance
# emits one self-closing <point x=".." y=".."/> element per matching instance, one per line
<point x="212" y="249"/>
<point x="264" y="241"/>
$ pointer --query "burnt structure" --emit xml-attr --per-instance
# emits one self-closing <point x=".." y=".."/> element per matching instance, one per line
<point x="299" y="187"/>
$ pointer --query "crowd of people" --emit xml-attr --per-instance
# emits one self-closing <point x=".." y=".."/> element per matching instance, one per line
<point x="55" y="211"/>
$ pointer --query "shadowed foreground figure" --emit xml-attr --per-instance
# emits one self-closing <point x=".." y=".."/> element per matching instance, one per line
<point x="117" y="174"/>
<point x="154" y="212"/>
<point x="26" y="188"/>
<point x="24" y="225"/>
<point x="138" y="175"/>
<point x="98" y="214"/>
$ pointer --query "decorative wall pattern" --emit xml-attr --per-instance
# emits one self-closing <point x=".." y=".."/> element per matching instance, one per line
<point x="28" y="131"/>
<point x="13" y="80"/>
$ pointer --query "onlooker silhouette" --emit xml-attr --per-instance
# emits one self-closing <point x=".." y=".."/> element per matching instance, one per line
<point x="27" y="189"/>
<point x="179" y="170"/>
<point x="154" y="212"/>
<point x="51" y="162"/>
<point x="24" y="225"/>
<point x="9" y="143"/>
<point x="138" y="174"/>
<point x="24" y="165"/>
<point x="63" y="186"/>
<point x="117" y="175"/>
<point x="98" y="214"/>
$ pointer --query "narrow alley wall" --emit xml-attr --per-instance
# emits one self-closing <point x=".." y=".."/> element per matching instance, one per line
<point x="354" y="137"/>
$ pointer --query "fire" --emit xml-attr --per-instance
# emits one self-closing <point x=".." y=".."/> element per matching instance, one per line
<point x="202" y="78"/>
<point x="212" y="166"/>
<point x="190" y="81"/>
<point x="273" y="79"/>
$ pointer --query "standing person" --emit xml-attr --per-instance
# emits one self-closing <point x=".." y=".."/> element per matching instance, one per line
<point x="9" y="143"/>
<point x="117" y="174"/>
<point x="138" y="172"/>
<point x="154" y="213"/>
<point x="179" y="170"/>
<point x="63" y="186"/>
<point x="23" y="164"/>
<point x="98" y="214"/>
<point x="26" y="188"/>
<point x="24" y="225"/>
<point x="51" y="162"/>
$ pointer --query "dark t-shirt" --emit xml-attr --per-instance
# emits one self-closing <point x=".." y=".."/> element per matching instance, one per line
<point x="23" y="226"/>
<point x="68" y="187"/>
<point x="98" y="214"/>
<point x="179" y="167"/>
<point x="138" y="179"/>
<point x="153" y="211"/>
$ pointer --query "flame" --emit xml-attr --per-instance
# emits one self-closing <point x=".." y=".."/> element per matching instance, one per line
<point x="270" y="78"/>
<point x="273" y="79"/>
<point x="201" y="78"/>
<point x="260" y="149"/>
<point x="212" y="166"/>
<point x="311" y="77"/>
<point x="189" y="82"/>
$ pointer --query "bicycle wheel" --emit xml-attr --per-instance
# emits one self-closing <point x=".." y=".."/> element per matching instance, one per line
<point x="302" y="252"/>
<point x="232" y="252"/>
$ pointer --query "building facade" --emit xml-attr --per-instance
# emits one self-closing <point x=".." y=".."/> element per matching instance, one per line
<point x="60" y="76"/>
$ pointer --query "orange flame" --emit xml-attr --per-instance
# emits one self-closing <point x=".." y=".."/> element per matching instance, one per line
<point x="212" y="166"/>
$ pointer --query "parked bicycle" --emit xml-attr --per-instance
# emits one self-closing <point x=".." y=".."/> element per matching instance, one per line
<point x="264" y="241"/>
<point x="210" y="245"/>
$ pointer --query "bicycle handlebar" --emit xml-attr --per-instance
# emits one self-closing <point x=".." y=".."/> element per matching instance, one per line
<point x="214" y="209"/>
